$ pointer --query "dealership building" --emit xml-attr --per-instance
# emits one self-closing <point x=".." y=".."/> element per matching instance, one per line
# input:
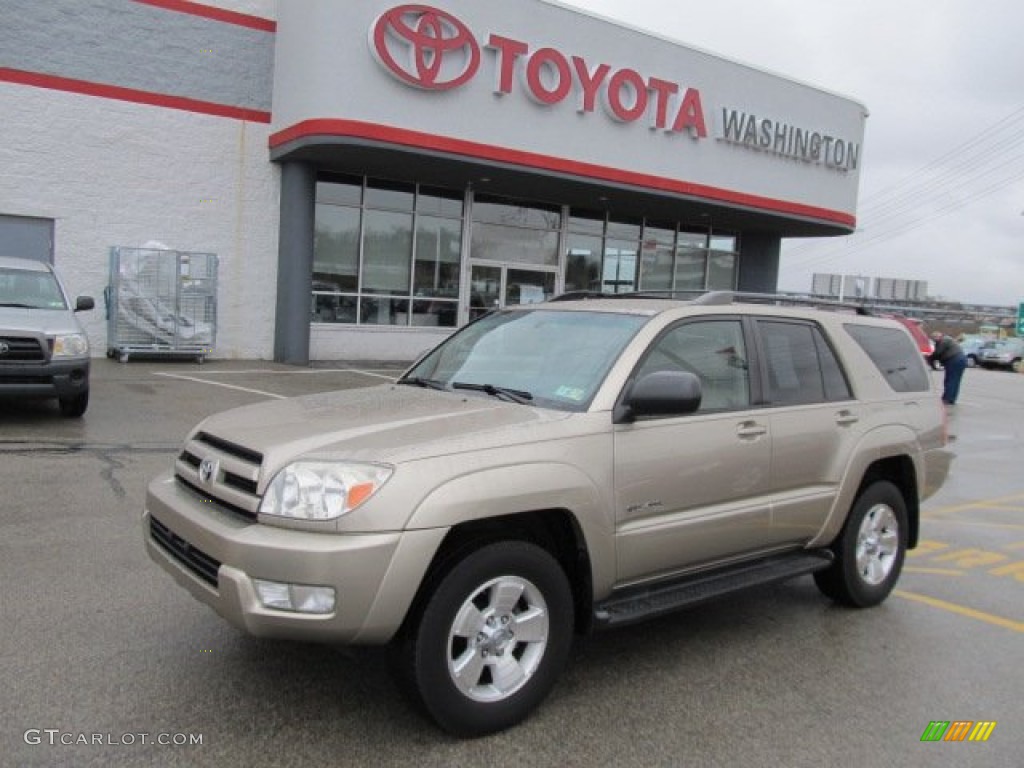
<point x="372" y="175"/>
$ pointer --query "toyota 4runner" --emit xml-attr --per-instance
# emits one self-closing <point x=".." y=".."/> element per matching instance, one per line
<point x="554" y="468"/>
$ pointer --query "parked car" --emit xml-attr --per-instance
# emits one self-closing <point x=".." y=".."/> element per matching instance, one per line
<point x="972" y="346"/>
<point x="554" y="468"/>
<point x="1005" y="354"/>
<point x="44" y="351"/>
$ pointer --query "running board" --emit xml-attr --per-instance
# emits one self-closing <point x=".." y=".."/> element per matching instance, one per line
<point x="640" y="603"/>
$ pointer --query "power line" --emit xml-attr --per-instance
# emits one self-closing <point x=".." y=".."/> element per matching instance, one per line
<point x="936" y="189"/>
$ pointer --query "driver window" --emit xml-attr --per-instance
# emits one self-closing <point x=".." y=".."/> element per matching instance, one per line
<point x="715" y="352"/>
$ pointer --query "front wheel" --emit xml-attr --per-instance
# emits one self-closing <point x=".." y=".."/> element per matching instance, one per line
<point x="73" y="407"/>
<point x="869" y="551"/>
<point x="491" y="638"/>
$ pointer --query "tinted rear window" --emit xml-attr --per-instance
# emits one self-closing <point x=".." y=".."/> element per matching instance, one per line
<point x="894" y="354"/>
<point x="801" y="366"/>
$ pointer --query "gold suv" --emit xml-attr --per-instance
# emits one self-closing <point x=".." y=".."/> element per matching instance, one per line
<point x="555" y="468"/>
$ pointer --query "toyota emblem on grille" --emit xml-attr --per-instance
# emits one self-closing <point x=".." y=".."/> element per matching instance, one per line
<point x="207" y="470"/>
<point x="4" y="347"/>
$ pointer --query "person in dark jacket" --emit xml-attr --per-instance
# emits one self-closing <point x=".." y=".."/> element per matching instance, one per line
<point x="954" y="362"/>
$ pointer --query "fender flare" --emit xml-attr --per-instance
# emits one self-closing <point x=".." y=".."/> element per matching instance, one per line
<point x="884" y="442"/>
<point x="528" y="487"/>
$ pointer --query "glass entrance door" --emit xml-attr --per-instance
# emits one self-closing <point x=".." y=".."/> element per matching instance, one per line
<point x="492" y="286"/>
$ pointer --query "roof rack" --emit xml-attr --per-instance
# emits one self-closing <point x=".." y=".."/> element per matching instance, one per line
<point x="718" y="298"/>
<point x="695" y="296"/>
<point x="784" y="300"/>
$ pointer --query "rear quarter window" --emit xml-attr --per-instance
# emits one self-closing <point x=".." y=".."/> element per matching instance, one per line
<point x="894" y="354"/>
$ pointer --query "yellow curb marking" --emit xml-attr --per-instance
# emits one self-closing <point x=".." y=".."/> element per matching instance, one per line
<point x="971" y="613"/>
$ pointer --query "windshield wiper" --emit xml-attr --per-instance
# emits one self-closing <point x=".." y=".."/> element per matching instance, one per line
<point x="419" y="381"/>
<point x="511" y="395"/>
<point x="19" y="306"/>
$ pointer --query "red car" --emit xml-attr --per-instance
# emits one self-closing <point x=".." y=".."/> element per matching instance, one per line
<point x="924" y="344"/>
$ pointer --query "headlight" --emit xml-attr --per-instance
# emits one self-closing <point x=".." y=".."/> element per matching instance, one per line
<point x="71" y="345"/>
<point x="321" y="490"/>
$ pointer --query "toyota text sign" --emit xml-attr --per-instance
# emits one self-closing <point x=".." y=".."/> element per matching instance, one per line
<point x="431" y="49"/>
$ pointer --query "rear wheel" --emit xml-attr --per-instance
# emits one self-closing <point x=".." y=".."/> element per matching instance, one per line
<point x="870" y="550"/>
<point x="73" y="407"/>
<point x="491" y="639"/>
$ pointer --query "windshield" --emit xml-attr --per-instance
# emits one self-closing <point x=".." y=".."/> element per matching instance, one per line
<point x="30" y="289"/>
<point x="553" y="359"/>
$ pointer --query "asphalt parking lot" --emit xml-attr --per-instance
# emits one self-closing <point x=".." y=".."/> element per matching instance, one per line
<point x="102" y="655"/>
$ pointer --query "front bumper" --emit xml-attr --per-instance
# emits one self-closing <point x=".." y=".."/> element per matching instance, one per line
<point x="215" y="553"/>
<point x="996" y="362"/>
<point x="54" y="378"/>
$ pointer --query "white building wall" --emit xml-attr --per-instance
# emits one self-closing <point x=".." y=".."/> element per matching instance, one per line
<point x="265" y="9"/>
<point x="118" y="173"/>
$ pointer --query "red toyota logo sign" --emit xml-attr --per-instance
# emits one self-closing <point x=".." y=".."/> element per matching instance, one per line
<point x="425" y="47"/>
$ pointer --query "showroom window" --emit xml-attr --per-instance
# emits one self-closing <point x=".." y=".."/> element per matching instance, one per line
<point x="584" y="246"/>
<point x="602" y="254"/>
<point x="722" y="260"/>
<point x="616" y="255"/>
<point x="518" y="232"/>
<point x="621" y="252"/>
<point x="386" y="253"/>
<point x="656" y="252"/>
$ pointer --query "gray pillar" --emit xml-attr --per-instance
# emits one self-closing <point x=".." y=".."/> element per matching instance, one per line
<point x="759" y="262"/>
<point x="295" y="263"/>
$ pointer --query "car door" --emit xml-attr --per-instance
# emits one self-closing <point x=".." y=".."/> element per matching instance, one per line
<point x="693" y="489"/>
<point x="814" y="423"/>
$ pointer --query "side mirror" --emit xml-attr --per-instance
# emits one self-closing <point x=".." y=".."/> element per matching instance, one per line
<point x="662" y="393"/>
<point x="83" y="303"/>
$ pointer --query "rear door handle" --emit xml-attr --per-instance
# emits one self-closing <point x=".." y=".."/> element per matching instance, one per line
<point x="846" y="418"/>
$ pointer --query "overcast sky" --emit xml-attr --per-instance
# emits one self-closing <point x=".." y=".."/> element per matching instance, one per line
<point x="942" y="175"/>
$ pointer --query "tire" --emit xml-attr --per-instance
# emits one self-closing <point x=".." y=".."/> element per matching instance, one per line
<point x="490" y="640"/>
<point x="74" y="407"/>
<point x="870" y="550"/>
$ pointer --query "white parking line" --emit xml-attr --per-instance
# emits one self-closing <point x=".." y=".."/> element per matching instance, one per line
<point x="380" y="373"/>
<point x="220" y="384"/>
<point x="392" y="377"/>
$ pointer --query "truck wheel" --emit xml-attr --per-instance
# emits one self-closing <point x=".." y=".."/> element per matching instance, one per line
<point x="491" y="638"/>
<point x="74" y="407"/>
<point x="870" y="549"/>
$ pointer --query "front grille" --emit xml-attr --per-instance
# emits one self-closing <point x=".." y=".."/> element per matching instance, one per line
<point x="245" y="454"/>
<point x="22" y="350"/>
<point x="195" y="560"/>
<point x="222" y="472"/>
<point x="243" y="484"/>
<point x="188" y="458"/>
<point x="207" y="498"/>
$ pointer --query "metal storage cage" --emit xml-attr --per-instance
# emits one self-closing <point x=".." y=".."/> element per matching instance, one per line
<point x="161" y="302"/>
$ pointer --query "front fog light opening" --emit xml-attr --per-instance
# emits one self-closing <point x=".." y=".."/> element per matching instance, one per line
<point x="297" y="598"/>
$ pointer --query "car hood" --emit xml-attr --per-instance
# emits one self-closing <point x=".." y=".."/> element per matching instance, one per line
<point x="48" y="322"/>
<point x="389" y="423"/>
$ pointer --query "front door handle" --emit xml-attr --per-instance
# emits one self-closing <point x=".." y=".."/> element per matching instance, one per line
<point x="749" y="430"/>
